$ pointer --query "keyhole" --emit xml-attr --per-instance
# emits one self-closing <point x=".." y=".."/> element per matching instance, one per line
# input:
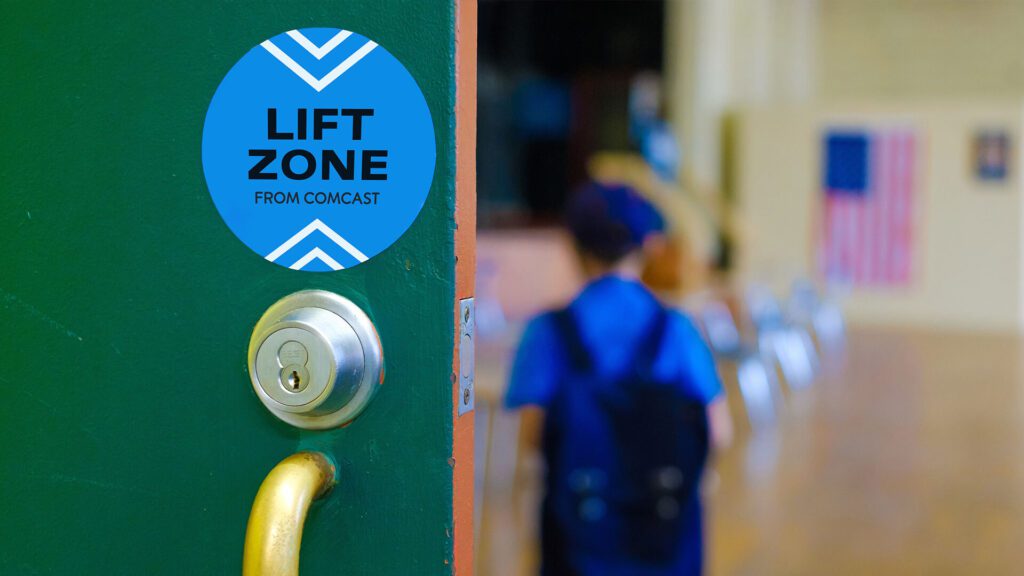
<point x="294" y="380"/>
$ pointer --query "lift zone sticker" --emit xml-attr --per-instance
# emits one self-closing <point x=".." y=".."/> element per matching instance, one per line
<point x="318" y="149"/>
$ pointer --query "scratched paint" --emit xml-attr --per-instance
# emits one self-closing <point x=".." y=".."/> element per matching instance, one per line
<point x="20" y="306"/>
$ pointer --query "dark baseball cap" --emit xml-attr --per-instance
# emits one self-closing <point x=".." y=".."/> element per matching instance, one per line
<point x="609" y="221"/>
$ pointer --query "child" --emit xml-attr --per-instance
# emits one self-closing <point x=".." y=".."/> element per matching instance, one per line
<point x="627" y="399"/>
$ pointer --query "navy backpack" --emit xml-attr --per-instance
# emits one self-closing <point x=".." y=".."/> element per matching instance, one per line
<point x="625" y="457"/>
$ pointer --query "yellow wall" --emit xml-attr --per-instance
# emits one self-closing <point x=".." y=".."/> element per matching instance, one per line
<point x="968" y="235"/>
<point x="920" y="48"/>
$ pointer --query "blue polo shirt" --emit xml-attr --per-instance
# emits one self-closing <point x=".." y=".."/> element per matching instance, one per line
<point x="614" y="315"/>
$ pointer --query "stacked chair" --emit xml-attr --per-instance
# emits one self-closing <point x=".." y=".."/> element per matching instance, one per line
<point x="821" y="316"/>
<point x="766" y="350"/>
<point x="747" y="367"/>
<point x="788" y="343"/>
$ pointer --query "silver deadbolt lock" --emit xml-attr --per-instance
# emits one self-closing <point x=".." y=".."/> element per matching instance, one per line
<point x="315" y="360"/>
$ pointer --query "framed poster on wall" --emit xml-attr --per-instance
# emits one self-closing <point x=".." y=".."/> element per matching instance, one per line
<point x="990" y="155"/>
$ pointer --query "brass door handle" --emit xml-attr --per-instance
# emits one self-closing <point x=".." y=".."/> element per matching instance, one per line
<point x="274" y="533"/>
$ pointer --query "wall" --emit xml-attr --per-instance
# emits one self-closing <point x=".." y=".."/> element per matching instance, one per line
<point x="724" y="53"/>
<point x="968" y="252"/>
<point x="920" y="49"/>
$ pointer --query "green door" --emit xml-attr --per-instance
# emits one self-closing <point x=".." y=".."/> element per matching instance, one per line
<point x="131" y="439"/>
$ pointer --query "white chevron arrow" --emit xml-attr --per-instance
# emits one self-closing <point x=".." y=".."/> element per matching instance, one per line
<point x="316" y="253"/>
<point x="319" y="52"/>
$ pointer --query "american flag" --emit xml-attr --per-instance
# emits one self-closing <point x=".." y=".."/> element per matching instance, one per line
<point x="867" y="225"/>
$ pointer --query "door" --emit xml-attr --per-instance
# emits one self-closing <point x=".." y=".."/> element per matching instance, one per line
<point x="132" y="439"/>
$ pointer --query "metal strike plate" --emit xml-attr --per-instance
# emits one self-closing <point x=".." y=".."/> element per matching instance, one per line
<point x="315" y="360"/>
<point x="467" y="330"/>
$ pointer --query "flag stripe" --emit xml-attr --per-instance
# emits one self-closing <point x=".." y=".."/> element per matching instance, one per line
<point x="866" y="237"/>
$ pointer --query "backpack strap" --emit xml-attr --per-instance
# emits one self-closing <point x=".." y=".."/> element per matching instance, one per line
<point x="579" y="357"/>
<point x="572" y="342"/>
<point x="650" y="346"/>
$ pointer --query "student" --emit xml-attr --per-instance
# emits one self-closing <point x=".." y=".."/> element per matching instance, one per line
<point x="622" y="398"/>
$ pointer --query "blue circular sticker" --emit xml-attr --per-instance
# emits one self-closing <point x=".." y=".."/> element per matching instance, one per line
<point x="318" y="149"/>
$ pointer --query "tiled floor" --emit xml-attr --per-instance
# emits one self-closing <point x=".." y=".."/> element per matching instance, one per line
<point x="906" y="458"/>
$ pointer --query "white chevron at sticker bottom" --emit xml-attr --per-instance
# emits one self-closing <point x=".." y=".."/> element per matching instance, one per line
<point x="316" y="253"/>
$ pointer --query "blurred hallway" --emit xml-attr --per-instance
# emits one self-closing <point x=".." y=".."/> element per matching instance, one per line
<point x="905" y="458"/>
<point x="860" y="158"/>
